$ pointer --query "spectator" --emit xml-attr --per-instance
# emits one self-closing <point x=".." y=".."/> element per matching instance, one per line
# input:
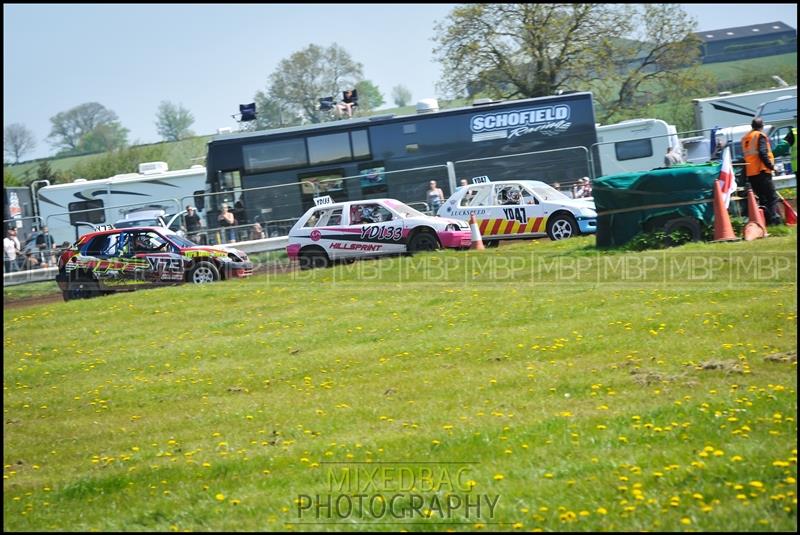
<point x="346" y="105"/>
<point x="760" y="164"/>
<point x="671" y="158"/>
<point x="46" y="245"/>
<point x="435" y="197"/>
<point x="10" y="250"/>
<point x="587" y="187"/>
<point x="239" y="218"/>
<point x="30" y="262"/>
<point x="257" y="232"/>
<point x="227" y="220"/>
<point x="193" y="221"/>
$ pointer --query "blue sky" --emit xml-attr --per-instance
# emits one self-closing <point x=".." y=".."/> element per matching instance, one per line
<point x="212" y="57"/>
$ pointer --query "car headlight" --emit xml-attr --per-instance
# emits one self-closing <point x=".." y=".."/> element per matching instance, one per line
<point x="452" y="227"/>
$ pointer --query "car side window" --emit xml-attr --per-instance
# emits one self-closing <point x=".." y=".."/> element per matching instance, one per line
<point x="528" y="197"/>
<point x="476" y="196"/>
<point x="334" y="217"/>
<point x="314" y="218"/>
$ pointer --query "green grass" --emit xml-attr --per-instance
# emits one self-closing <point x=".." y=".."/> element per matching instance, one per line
<point x="586" y="390"/>
<point x="27" y="291"/>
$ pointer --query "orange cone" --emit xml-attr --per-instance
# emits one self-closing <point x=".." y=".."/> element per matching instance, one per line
<point x="789" y="215"/>
<point x="723" y="230"/>
<point x="756" y="227"/>
<point x="477" y="241"/>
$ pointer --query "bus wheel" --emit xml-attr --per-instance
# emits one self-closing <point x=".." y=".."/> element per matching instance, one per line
<point x="313" y="258"/>
<point x="561" y="227"/>
<point x="423" y="241"/>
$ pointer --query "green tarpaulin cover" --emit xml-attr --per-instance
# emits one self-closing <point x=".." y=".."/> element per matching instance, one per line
<point x="630" y="203"/>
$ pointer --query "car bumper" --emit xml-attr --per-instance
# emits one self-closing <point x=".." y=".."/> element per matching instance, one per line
<point x="238" y="270"/>
<point x="293" y="250"/>
<point x="455" y="239"/>
<point x="588" y="225"/>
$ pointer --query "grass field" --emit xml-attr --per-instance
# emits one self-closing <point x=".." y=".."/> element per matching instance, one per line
<point x="558" y="387"/>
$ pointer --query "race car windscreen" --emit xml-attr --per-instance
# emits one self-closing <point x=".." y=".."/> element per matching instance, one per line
<point x="546" y="193"/>
<point x="404" y="210"/>
<point x="181" y="242"/>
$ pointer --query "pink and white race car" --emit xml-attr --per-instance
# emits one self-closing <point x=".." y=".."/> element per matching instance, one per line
<point x="375" y="227"/>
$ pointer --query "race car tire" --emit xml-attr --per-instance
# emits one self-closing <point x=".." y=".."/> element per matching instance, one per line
<point x="313" y="258"/>
<point x="81" y="289"/>
<point x="491" y="243"/>
<point x="561" y="226"/>
<point x="203" y="272"/>
<point x="423" y="241"/>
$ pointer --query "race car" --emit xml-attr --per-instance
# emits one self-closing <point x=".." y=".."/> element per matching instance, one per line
<point x="520" y="209"/>
<point x="114" y="259"/>
<point x="347" y="230"/>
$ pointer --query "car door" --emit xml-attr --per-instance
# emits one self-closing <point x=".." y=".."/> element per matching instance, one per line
<point x="154" y="258"/>
<point x="372" y="230"/>
<point x="512" y="211"/>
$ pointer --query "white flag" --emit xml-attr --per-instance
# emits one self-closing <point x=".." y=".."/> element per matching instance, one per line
<point x="727" y="177"/>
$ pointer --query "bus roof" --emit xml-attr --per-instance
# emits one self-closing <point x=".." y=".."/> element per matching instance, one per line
<point x="381" y="119"/>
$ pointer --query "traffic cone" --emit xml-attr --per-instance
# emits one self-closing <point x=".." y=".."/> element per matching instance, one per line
<point x="723" y="230"/>
<point x="756" y="227"/>
<point x="789" y="215"/>
<point x="477" y="241"/>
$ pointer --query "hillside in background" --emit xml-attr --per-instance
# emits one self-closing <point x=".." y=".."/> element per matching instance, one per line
<point x="735" y="76"/>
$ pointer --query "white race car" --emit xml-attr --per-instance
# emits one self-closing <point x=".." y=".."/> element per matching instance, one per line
<point x="375" y="227"/>
<point x="521" y="209"/>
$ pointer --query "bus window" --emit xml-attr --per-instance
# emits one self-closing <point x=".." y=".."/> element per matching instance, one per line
<point x="360" y="144"/>
<point x="331" y="148"/>
<point x="281" y="154"/>
<point x="373" y="181"/>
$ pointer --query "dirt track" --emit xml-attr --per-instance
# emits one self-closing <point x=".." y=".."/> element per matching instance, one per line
<point x="56" y="297"/>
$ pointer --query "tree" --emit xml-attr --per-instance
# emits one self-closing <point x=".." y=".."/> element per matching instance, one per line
<point x="401" y="95"/>
<point x="531" y="50"/>
<point x="72" y="126"/>
<point x="173" y="121"/>
<point x="303" y="78"/>
<point x="272" y="113"/>
<point x="369" y="96"/>
<point x="17" y="140"/>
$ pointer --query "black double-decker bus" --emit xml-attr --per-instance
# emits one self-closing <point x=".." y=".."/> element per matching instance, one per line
<point x="322" y="158"/>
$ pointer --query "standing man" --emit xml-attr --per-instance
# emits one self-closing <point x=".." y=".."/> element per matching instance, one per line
<point x="45" y="244"/>
<point x="760" y="164"/>
<point x="10" y="250"/>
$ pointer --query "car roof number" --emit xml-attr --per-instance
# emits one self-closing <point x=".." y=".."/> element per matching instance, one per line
<point x="320" y="201"/>
<point x="480" y="179"/>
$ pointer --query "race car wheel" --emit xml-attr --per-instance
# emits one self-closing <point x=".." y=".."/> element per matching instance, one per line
<point x="561" y="227"/>
<point x="491" y="243"/>
<point x="81" y="289"/>
<point x="423" y="241"/>
<point x="313" y="258"/>
<point x="203" y="273"/>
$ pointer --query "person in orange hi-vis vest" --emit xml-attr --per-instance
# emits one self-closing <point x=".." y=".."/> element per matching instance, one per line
<point x="760" y="164"/>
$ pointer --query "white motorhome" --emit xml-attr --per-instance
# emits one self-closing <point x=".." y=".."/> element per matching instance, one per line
<point x="70" y="210"/>
<point x="635" y="145"/>
<point x="734" y="109"/>
<point x="779" y="112"/>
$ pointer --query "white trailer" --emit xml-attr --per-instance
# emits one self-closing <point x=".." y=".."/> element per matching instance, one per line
<point x="734" y="109"/>
<point x="635" y="145"/>
<point x="69" y="210"/>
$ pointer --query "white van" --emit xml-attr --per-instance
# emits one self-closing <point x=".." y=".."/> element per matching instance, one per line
<point x="635" y="145"/>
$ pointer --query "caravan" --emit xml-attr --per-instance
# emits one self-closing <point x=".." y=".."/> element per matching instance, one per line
<point x="70" y="210"/>
<point x="735" y="109"/>
<point x="635" y="145"/>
